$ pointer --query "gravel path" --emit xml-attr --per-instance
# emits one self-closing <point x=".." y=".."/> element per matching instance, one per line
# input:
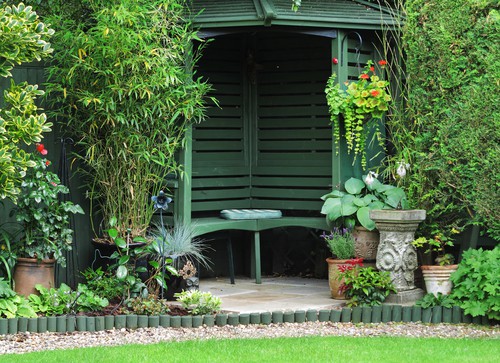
<point x="29" y="342"/>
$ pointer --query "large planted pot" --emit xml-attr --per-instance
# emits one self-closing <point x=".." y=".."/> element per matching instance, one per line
<point x="437" y="278"/>
<point x="334" y="268"/>
<point x="366" y="244"/>
<point x="30" y="272"/>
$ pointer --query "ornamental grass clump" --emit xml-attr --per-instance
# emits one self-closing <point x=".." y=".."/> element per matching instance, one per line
<point x="358" y="103"/>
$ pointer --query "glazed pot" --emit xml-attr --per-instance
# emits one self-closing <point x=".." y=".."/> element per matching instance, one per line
<point x="437" y="278"/>
<point x="333" y="273"/>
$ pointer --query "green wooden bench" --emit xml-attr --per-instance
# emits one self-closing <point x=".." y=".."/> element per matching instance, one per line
<point x="268" y="145"/>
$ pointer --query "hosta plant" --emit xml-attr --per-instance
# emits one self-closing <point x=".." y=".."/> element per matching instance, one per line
<point x="13" y="305"/>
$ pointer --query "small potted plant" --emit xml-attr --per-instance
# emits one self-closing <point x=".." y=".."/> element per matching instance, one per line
<point x="340" y="242"/>
<point x="359" y="103"/>
<point x="352" y="208"/>
<point x="437" y="277"/>
<point x="45" y="232"/>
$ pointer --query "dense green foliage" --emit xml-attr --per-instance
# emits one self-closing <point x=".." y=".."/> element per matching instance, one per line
<point x="122" y="81"/>
<point x="13" y="305"/>
<point x="476" y="283"/>
<point x="23" y="38"/>
<point x="452" y="137"/>
<point x="365" y="286"/>
<point x="199" y="302"/>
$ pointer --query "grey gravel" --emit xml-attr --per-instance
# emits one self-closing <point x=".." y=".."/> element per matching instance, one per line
<point x="30" y="342"/>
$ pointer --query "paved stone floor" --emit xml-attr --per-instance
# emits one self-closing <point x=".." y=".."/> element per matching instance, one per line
<point x="275" y="293"/>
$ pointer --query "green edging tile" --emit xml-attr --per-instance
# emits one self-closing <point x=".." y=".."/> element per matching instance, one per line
<point x="32" y="325"/>
<point x="356" y="314"/>
<point x="221" y="319"/>
<point x="277" y="317"/>
<point x="426" y="315"/>
<point x="109" y="322"/>
<point x="51" y="324"/>
<point x="90" y="323"/>
<point x="416" y="313"/>
<point x="132" y="321"/>
<point x="345" y="316"/>
<point x="99" y="323"/>
<point x="197" y="321"/>
<point x="324" y="315"/>
<point x="81" y="323"/>
<point x="120" y="321"/>
<point x="311" y="315"/>
<point x="71" y="323"/>
<point x="154" y="321"/>
<point x="244" y="319"/>
<point x="366" y="315"/>
<point x="289" y="317"/>
<point x="22" y="325"/>
<point x="233" y="319"/>
<point x="165" y="321"/>
<point x="477" y="320"/>
<point x="254" y="318"/>
<point x="437" y="314"/>
<point x="397" y="313"/>
<point x="175" y="321"/>
<point x="377" y="314"/>
<point x="456" y="315"/>
<point x="4" y="326"/>
<point x="447" y="315"/>
<point x="12" y="323"/>
<point x="335" y="315"/>
<point x="300" y="316"/>
<point x="485" y="320"/>
<point x="61" y="322"/>
<point x="187" y="321"/>
<point x="209" y="320"/>
<point x="466" y="318"/>
<point x="407" y="310"/>
<point x="386" y="313"/>
<point x="142" y="321"/>
<point x="266" y="318"/>
<point x="42" y="324"/>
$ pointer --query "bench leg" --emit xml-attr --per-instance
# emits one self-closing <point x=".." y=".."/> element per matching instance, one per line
<point x="230" y="259"/>
<point x="255" y="262"/>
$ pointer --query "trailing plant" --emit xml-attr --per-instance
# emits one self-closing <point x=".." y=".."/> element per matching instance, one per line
<point x="340" y="242"/>
<point x="13" y="305"/>
<point x="44" y="218"/>
<point x="359" y="103"/>
<point x="146" y="306"/>
<point x="436" y="246"/>
<point x="475" y="283"/>
<point x="64" y="300"/>
<point x="123" y="81"/>
<point x="353" y="206"/>
<point x="198" y="302"/>
<point x="431" y="300"/>
<point x="23" y="38"/>
<point x="365" y="286"/>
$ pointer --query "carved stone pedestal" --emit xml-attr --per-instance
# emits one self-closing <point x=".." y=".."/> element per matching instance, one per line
<point x="395" y="252"/>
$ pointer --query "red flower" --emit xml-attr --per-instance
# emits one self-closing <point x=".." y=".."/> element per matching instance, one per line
<point x="54" y="184"/>
<point x="47" y="163"/>
<point x="382" y="62"/>
<point x="335" y="61"/>
<point x="364" y="76"/>
<point x="375" y="93"/>
<point x="41" y="149"/>
<point x="372" y="68"/>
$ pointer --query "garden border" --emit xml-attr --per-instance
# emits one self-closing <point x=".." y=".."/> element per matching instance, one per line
<point x="376" y="314"/>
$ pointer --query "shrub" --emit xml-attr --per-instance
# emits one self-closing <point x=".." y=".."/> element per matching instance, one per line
<point x="365" y="286"/>
<point x="199" y="303"/>
<point x="476" y="285"/>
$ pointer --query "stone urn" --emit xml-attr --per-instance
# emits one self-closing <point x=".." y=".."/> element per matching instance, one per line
<point x="395" y="253"/>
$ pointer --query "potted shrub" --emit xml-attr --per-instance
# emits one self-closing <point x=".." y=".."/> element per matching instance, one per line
<point x="340" y="242"/>
<point x="45" y="232"/>
<point x="437" y="277"/>
<point x="351" y="208"/>
<point x="359" y="103"/>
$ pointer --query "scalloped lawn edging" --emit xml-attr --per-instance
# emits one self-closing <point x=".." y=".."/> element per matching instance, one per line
<point x="376" y="314"/>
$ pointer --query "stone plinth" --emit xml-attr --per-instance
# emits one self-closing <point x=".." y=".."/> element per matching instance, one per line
<point x="395" y="252"/>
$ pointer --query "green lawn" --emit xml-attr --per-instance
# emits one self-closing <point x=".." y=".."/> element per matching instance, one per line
<point x="311" y="349"/>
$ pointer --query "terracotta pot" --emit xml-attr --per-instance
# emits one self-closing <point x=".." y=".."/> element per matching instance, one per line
<point x="30" y="272"/>
<point x="437" y="278"/>
<point x="333" y="273"/>
<point x="366" y="244"/>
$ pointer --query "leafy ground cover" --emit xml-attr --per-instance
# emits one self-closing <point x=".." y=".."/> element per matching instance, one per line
<point x="305" y="349"/>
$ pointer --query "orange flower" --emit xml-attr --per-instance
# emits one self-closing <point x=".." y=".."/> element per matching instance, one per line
<point x="364" y="76"/>
<point x="382" y="62"/>
<point x="375" y="93"/>
<point x="372" y="68"/>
